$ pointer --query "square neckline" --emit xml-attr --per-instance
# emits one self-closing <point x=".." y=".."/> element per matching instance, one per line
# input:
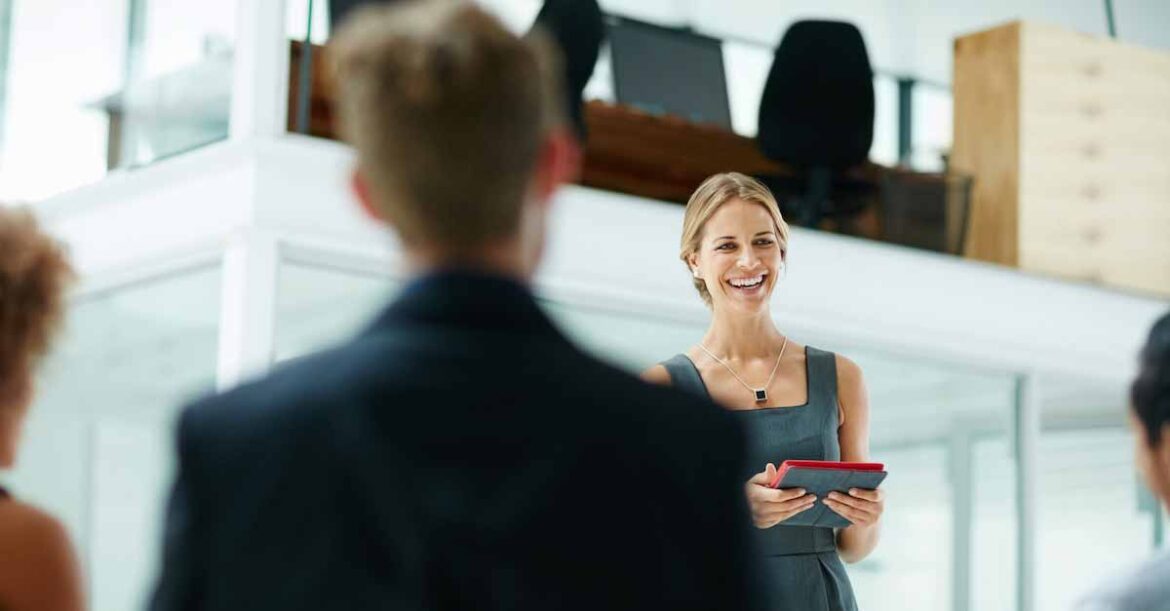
<point x="807" y="387"/>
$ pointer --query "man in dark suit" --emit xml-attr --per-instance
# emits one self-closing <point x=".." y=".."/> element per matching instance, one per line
<point x="460" y="453"/>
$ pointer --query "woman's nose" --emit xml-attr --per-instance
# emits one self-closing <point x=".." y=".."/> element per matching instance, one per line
<point x="747" y="258"/>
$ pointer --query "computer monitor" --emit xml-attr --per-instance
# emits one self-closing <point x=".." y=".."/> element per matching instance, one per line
<point x="669" y="71"/>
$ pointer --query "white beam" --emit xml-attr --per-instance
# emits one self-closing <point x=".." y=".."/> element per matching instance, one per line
<point x="260" y="70"/>
<point x="1027" y="435"/>
<point x="247" y="307"/>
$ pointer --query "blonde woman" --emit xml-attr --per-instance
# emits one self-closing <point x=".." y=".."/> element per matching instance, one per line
<point x="796" y="402"/>
<point x="38" y="569"/>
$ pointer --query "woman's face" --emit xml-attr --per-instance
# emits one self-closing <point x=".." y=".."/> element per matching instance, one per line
<point x="739" y="257"/>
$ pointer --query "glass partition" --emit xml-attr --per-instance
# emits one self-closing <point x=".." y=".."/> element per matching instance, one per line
<point x="94" y="86"/>
<point x="98" y="447"/>
<point x="317" y="307"/>
<point x="942" y="431"/>
<point x="1095" y="514"/>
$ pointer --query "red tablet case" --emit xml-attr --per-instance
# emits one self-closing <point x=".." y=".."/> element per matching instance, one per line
<point x="823" y="464"/>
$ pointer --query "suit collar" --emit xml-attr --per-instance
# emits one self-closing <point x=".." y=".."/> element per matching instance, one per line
<point x="467" y="299"/>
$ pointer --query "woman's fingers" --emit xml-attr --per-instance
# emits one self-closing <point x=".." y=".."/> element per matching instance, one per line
<point x="764" y="478"/>
<point x="786" y="494"/>
<point x="856" y="510"/>
<point x="783" y="511"/>
<point x="873" y="496"/>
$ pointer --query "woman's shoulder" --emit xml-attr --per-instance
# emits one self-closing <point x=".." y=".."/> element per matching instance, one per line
<point x="659" y="373"/>
<point x="656" y="374"/>
<point x="24" y="526"/>
<point x="37" y="563"/>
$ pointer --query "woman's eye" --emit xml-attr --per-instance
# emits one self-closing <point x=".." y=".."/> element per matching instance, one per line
<point x="763" y="242"/>
<point x="726" y="246"/>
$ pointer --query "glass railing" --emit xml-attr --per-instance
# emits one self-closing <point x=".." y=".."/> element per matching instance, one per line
<point x="117" y="84"/>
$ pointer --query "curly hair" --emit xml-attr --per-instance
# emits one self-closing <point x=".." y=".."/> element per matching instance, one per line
<point x="34" y="274"/>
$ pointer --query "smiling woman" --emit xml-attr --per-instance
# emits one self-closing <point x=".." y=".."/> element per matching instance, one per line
<point x="797" y="402"/>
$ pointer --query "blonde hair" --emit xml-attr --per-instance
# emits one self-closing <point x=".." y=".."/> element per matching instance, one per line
<point x="447" y="110"/>
<point x="34" y="274"/>
<point x="706" y="201"/>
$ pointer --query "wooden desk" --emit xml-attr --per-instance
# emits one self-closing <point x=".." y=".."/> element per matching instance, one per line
<point x="628" y="151"/>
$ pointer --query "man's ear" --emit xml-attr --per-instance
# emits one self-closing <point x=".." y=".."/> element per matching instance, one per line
<point x="1161" y="452"/>
<point x="361" y="191"/>
<point x="559" y="162"/>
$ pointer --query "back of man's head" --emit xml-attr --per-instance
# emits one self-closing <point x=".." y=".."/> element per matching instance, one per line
<point x="448" y="111"/>
<point x="1150" y="393"/>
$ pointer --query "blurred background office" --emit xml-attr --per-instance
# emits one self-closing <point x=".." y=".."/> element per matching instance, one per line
<point x="982" y="190"/>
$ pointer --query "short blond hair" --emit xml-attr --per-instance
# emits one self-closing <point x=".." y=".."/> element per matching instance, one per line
<point x="706" y="201"/>
<point x="34" y="274"/>
<point x="447" y="110"/>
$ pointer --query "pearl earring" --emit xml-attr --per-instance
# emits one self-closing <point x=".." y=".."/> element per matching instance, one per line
<point x="695" y="272"/>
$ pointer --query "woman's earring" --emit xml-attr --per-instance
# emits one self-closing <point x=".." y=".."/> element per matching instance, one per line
<point x="695" y="272"/>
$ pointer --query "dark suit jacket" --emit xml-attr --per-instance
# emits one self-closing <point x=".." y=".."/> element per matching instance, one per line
<point x="460" y="454"/>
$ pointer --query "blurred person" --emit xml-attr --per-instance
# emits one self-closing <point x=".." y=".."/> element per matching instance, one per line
<point x="796" y="402"/>
<point x="38" y="567"/>
<point x="1146" y="587"/>
<point x="460" y="453"/>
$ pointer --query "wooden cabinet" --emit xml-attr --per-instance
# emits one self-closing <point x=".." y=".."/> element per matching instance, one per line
<point x="1068" y="138"/>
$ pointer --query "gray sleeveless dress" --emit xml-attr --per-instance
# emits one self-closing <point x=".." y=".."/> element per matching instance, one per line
<point x="801" y="567"/>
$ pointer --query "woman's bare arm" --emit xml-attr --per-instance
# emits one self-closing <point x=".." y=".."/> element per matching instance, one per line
<point x="863" y="508"/>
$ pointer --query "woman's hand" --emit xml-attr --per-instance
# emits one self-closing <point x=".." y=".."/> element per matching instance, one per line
<point x="861" y="507"/>
<point x="770" y="506"/>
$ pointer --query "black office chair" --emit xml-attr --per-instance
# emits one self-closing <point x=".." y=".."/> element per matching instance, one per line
<point x="816" y="115"/>
<point x="578" y="28"/>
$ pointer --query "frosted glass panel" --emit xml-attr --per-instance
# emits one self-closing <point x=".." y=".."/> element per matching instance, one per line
<point x="927" y="419"/>
<point x="911" y="569"/>
<point x="318" y="307"/>
<point x="1092" y="520"/>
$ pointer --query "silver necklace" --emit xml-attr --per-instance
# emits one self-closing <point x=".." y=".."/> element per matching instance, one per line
<point x="760" y="393"/>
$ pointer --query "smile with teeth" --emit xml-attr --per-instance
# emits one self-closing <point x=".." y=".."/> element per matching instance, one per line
<point x="747" y="283"/>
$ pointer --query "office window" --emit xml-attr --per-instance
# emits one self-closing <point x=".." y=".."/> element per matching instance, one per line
<point x="747" y="66"/>
<point x="931" y="127"/>
<point x="98" y="448"/>
<point x="884" y="149"/>
<point x="114" y="84"/>
<point x="296" y="20"/>
<point x="52" y="139"/>
<point x="177" y="95"/>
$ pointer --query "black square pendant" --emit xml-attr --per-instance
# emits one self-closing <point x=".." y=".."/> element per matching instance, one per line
<point x="761" y="395"/>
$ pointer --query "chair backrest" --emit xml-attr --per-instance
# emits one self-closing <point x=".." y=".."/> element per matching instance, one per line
<point x="817" y="107"/>
<point x="578" y="27"/>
